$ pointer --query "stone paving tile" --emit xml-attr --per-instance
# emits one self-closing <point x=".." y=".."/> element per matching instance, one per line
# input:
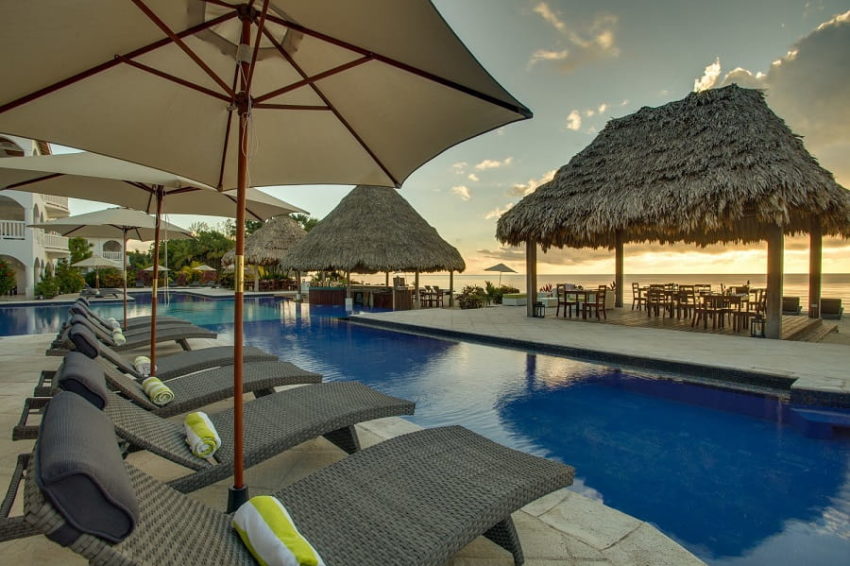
<point x="646" y="546"/>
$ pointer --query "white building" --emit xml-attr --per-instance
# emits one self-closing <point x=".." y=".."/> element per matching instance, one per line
<point x="29" y="250"/>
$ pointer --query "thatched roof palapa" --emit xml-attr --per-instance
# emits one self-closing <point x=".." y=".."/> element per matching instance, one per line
<point x="270" y="243"/>
<point x="717" y="166"/>
<point x="374" y="229"/>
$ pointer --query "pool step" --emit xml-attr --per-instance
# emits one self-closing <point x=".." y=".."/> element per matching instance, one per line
<point x="822" y="423"/>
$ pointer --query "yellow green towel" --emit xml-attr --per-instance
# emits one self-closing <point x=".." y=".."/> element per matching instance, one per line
<point x="143" y="365"/>
<point x="158" y="392"/>
<point x="268" y="531"/>
<point x="201" y="436"/>
<point x="118" y="337"/>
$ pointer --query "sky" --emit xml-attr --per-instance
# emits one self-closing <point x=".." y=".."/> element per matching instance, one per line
<point x="578" y="64"/>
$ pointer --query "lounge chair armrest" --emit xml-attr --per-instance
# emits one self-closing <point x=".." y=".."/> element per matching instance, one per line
<point x="46" y="384"/>
<point x="32" y="406"/>
<point x="15" y="527"/>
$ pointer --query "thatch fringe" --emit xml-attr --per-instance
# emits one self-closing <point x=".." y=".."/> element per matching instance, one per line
<point x="374" y="229"/>
<point x="717" y="166"/>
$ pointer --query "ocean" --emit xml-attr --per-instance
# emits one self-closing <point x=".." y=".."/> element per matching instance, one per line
<point x="834" y="285"/>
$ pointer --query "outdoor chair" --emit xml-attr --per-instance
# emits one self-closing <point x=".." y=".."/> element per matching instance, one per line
<point x="656" y="301"/>
<point x="791" y="305"/>
<point x="715" y="307"/>
<point x="273" y="424"/>
<point x="686" y="301"/>
<point x="831" y="309"/>
<point x="565" y="299"/>
<point x="170" y="366"/>
<point x="638" y="300"/>
<point x="81" y="308"/>
<point x="412" y="500"/>
<point x="437" y="296"/>
<point x="111" y="292"/>
<point x="135" y="339"/>
<point x="190" y="392"/>
<point x="595" y="306"/>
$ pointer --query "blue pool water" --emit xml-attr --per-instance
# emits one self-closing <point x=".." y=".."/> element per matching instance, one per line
<point x="727" y="475"/>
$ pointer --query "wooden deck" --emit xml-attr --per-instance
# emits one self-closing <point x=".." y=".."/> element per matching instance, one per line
<point x="793" y="327"/>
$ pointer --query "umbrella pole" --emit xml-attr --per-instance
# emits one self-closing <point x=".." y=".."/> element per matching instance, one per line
<point x="155" y="283"/>
<point x="238" y="493"/>
<point x="125" y="278"/>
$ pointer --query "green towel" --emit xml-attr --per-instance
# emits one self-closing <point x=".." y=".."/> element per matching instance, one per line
<point x="201" y="436"/>
<point x="267" y="529"/>
<point x="158" y="392"/>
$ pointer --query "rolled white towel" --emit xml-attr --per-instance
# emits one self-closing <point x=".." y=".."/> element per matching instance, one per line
<point x="158" y="392"/>
<point x="118" y="337"/>
<point x="267" y="529"/>
<point x="201" y="436"/>
<point x="142" y="365"/>
<point x="113" y="322"/>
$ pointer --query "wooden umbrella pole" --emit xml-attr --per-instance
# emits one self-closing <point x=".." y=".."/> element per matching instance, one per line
<point x="238" y="493"/>
<point x="125" y="278"/>
<point x="154" y="285"/>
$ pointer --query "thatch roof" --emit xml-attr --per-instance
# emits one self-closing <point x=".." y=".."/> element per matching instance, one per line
<point x="270" y="243"/>
<point x="374" y="229"/>
<point x="717" y="166"/>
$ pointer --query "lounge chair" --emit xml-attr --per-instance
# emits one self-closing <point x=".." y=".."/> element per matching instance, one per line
<point x="831" y="309"/>
<point x="791" y="305"/>
<point x="413" y="500"/>
<point x="190" y="392"/>
<point x="81" y="307"/>
<point x="112" y="292"/>
<point x="177" y="333"/>
<point x="170" y="366"/>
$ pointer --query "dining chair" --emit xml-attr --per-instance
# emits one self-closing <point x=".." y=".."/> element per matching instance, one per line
<point x="566" y="299"/>
<point x="711" y="306"/>
<point x="638" y="300"/>
<point x="596" y="305"/>
<point x="655" y="300"/>
<point x="686" y="302"/>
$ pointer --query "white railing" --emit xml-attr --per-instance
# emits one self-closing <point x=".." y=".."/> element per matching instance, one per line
<point x="115" y="256"/>
<point x="58" y="202"/>
<point x="52" y="241"/>
<point x="12" y="229"/>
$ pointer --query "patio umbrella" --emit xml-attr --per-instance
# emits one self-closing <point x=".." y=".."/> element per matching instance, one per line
<point x="501" y="268"/>
<point x="112" y="223"/>
<point x="98" y="177"/>
<point x="307" y="92"/>
<point x="97" y="262"/>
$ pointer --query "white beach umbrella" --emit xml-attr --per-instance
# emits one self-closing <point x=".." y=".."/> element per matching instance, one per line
<point x="97" y="262"/>
<point x="278" y="92"/>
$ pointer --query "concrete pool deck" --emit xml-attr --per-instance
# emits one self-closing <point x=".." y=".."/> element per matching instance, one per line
<point x="563" y="528"/>
<point x="811" y="373"/>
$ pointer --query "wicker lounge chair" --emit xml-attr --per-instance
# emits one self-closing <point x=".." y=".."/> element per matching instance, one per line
<point x="135" y="323"/>
<point x="177" y="333"/>
<point x="190" y="392"/>
<point x="412" y="500"/>
<point x="168" y="367"/>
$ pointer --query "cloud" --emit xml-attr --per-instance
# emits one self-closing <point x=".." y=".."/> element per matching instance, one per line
<point x="590" y="112"/>
<point x="586" y="42"/>
<point x="460" y="167"/>
<point x="497" y="212"/>
<point x="462" y="191"/>
<point x="522" y="189"/>
<point x="473" y="177"/>
<point x="709" y="76"/>
<point x="574" y="121"/>
<point x="493" y="163"/>
<point x="809" y="88"/>
<point x="602" y="107"/>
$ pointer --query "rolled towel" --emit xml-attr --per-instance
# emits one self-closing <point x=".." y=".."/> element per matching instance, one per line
<point x="113" y="322"/>
<point x="158" y="392"/>
<point x="118" y="337"/>
<point x="142" y="365"/>
<point x="268" y="531"/>
<point x="201" y="436"/>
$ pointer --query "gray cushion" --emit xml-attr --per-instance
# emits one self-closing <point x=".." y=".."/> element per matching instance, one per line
<point x="83" y="376"/>
<point x="80" y="471"/>
<point x="77" y="309"/>
<point x="84" y="340"/>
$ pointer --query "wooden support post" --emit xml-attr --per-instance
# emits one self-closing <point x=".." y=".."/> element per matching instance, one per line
<point x="416" y="290"/>
<point x="530" y="276"/>
<point x="451" y="288"/>
<point x="815" y="267"/>
<point x="773" y="302"/>
<point x="618" y="268"/>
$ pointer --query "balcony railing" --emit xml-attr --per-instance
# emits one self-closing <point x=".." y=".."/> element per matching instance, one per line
<point x="57" y="202"/>
<point x="12" y="229"/>
<point x="115" y="256"/>
<point x="51" y="240"/>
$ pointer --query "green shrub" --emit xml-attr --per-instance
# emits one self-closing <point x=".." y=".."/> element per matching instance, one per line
<point x="495" y="294"/>
<point x="47" y="287"/>
<point x="472" y="297"/>
<point x="68" y="279"/>
<point x="7" y="278"/>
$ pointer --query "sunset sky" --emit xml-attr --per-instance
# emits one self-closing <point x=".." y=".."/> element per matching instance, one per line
<point x="579" y="64"/>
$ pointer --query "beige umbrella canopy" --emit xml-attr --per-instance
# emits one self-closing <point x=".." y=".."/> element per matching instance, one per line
<point x="270" y="243"/>
<point x="373" y="229"/>
<point x="717" y="166"/>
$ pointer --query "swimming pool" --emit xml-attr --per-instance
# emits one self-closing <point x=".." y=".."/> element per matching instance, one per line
<point x="725" y="474"/>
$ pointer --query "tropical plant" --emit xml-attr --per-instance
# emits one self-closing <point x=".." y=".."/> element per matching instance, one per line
<point x="547" y="288"/>
<point x="7" y="278"/>
<point x="472" y="297"/>
<point x="68" y="279"/>
<point x="46" y="287"/>
<point x="494" y="294"/>
<point x="80" y="249"/>
<point x="307" y="222"/>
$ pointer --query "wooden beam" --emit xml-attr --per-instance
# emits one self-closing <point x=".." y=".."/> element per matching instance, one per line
<point x="530" y="276"/>
<point x="618" y="268"/>
<point x="451" y="288"/>
<point x="773" y="302"/>
<point x="815" y="267"/>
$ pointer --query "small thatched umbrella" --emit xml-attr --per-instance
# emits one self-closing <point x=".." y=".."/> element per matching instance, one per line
<point x="717" y="166"/>
<point x="269" y="244"/>
<point x="374" y="229"/>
